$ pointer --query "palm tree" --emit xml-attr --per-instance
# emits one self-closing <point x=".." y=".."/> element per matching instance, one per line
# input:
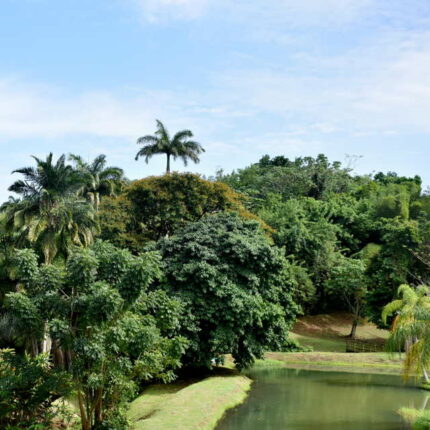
<point x="47" y="181"/>
<point x="49" y="216"/>
<point x="98" y="180"/>
<point x="178" y="147"/>
<point x="411" y="328"/>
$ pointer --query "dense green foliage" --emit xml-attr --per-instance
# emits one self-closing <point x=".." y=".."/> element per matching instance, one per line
<point x="29" y="387"/>
<point x="231" y="281"/>
<point x="107" y="284"/>
<point x="97" y="315"/>
<point x="158" y="206"/>
<point x="322" y="214"/>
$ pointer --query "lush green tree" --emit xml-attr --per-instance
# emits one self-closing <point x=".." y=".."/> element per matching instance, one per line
<point x="302" y="177"/>
<point x="118" y="223"/>
<point x="354" y="221"/>
<point x="348" y="280"/>
<point x="394" y="200"/>
<point x="180" y="146"/>
<point x="100" y="319"/>
<point x="49" y="216"/>
<point x="393" y="263"/>
<point x="391" y="196"/>
<point x="302" y="227"/>
<point x="297" y="280"/>
<point x="232" y="282"/>
<point x="158" y="206"/>
<point x="394" y="178"/>
<point x="97" y="179"/>
<point x="411" y="328"/>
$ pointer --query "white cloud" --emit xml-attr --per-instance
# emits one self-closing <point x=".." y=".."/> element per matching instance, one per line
<point x="274" y="12"/>
<point x="156" y="11"/>
<point x="270" y="15"/>
<point x="295" y="13"/>
<point x="382" y="88"/>
<point x="29" y="109"/>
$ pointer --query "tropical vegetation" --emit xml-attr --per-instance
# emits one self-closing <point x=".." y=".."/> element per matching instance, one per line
<point x="109" y="284"/>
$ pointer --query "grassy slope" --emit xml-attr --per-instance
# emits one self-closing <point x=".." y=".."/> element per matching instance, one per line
<point x="336" y="326"/>
<point x="325" y="334"/>
<point x="197" y="406"/>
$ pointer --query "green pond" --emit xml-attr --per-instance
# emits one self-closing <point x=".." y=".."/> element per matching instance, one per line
<point x="294" y="399"/>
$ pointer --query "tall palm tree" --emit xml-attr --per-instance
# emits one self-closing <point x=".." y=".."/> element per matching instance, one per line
<point x="411" y="328"/>
<point x="47" y="181"/>
<point x="178" y="147"/>
<point x="98" y="180"/>
<point x="49" y="216"/>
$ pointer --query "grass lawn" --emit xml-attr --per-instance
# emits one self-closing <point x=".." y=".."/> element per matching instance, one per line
<point x="195" y="406"/>
<point x="326" y="335"/>
<point x="319" y="343"/>
<point x="378" y="362"/>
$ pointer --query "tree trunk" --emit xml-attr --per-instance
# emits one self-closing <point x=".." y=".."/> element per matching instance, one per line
<point x="425" y="402"/>
<point x="85" y="424"/>
<point x="168" y="164"/>
<point x="69" y="360"/>
<point x="34" y="347"/>
<point x="97" y="202"/>
<point x="353" y="328"/>
<point x="98" y="409"/>
<point x="58" y="354"/>
<point x="426" y="376"/>
<point x="47" y="341"/>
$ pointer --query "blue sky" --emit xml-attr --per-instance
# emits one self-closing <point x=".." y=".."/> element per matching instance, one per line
<point x="249" y="77"/>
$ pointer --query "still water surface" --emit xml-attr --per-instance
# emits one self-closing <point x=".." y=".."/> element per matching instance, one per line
<point x="294" y="399"/>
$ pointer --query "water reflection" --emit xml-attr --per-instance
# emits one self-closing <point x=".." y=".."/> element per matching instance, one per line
<point x="296" y="399"/>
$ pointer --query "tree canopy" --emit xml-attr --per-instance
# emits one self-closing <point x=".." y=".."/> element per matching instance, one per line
<point x="158" y="206"/>
<point x="231" y="281"/>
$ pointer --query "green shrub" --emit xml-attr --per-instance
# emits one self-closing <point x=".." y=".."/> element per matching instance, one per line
<point x="28" y="389"/>
<point x="293" y="345"/>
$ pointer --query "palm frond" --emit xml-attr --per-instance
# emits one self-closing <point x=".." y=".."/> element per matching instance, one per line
<point x="389" y="309"/>
<point x="162" y="131"/>
<point x="181" y="135"/>
<point x="98" y="164"/>
<point x="147" y="139"/>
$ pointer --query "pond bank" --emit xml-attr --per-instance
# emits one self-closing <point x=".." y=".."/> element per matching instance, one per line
<point x="372" y="362"/>
<point x="198" y="405"/>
